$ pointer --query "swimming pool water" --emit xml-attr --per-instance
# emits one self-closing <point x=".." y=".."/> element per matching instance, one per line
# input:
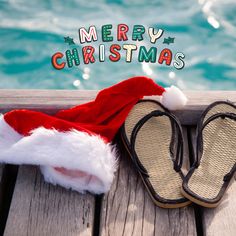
<point x="31" y="32"/>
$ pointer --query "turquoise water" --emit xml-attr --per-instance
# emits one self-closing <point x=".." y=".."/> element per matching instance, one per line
<point x="31" y="32"/>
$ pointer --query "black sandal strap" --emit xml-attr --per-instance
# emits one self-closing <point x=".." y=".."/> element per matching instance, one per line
<point x="204" y="114"/>
<point x="228" y="176"/>
<point x="199" y="152"/>
<point x="179" y="153"/>
<point x="212" y="105"/>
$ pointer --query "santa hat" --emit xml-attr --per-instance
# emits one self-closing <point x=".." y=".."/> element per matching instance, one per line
<point x="73" y="147"/>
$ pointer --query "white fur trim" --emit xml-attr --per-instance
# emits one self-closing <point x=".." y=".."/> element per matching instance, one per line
<point x="73" y="150"/>
<point x="173" y="98"/>
<point x="8" y="136"/>
<point x="82" y="184"/>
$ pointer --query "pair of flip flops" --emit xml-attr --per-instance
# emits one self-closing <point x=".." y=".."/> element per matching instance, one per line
<point x="154" y="140"/>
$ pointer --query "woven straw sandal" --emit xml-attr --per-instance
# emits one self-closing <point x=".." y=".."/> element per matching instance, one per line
<point x="153" y="137"/>
<point x="215" y="162"/>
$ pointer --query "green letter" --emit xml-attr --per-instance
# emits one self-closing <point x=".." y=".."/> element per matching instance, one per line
<point x="72" y="56"/>
<point x="147" y="56"/>
<point x="138" y="32"/>
<point x="106" y="32"/>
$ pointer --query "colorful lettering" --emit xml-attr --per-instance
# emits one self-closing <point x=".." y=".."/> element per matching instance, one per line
<point x="74" y="56"/>
<point x="106" y="32"/>
<point x="88" y="54"/>
<point x="101" y="52"/>
<point x="138" y="32"/>
<point x="122" y="29"/>
<point x="153" y="36"/>
<point x="147" y="56"/>
<point x="165" y="55"/>
<point x="179" y="62"/>
<point x="56" y="65"/>
<point x="129" y="50"/>
<point x="85" y="36"/>
<point x="114" y="50"/>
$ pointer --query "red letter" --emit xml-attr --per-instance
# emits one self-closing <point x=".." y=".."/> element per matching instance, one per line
<point x="165" y="55"/>
<point x="113" y="49"/>
<point x="55" y="64"/>
<point x="88" y="54"/>
<point x="122" y="29"/>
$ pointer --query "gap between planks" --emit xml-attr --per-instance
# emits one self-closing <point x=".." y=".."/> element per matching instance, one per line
<point x="8" y="175"/>
<point x="39" y="208"/>
<point x="128" y="210"/>
<point x="50" y="101"/>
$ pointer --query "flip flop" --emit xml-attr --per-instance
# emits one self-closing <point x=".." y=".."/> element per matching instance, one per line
<point x="215" y="162"/>
<point x="151" y="136"/>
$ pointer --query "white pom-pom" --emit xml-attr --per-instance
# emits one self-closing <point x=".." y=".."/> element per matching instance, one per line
<point x="173" y="98"/>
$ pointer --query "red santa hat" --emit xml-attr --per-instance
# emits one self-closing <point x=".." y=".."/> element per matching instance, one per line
<point x="73" y="148"/>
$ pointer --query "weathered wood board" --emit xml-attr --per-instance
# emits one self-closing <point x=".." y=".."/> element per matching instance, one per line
<point x="39" y="208"/>
<point x="50" y="101"/>
<point x="222" y="220"/>
<point x="128" y="210"/>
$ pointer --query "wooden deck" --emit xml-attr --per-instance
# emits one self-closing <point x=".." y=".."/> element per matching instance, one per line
<point x="29" y="206"/>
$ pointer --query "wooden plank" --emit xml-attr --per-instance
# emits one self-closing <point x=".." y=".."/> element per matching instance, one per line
<point x="41" y="209"/>
<point x="128" y="210"/>
<point x="198" y="98"/>
<point x="50" y="101"/>
<point x="221" y="220"/>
